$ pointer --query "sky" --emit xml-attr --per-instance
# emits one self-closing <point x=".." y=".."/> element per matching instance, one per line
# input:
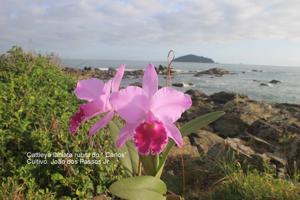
<point x="265" y="32"/>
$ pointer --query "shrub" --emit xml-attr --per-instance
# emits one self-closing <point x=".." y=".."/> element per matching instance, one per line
<point x="36" y="102"/>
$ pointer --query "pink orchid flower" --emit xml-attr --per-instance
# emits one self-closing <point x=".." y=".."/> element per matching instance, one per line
<point x="150" y="114"/>
<point x="97" y="95"/>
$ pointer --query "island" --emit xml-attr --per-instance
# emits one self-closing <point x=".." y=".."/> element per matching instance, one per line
<point x="193" y="58"/>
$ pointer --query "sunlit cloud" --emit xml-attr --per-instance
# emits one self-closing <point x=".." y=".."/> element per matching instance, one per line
<point x="68" y="24"/>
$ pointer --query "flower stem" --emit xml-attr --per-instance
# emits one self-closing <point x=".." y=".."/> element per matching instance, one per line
<point x="171" y="56"/>
<point x="140" y="167"/>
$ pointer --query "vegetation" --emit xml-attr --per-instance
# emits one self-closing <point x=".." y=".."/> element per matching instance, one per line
<point x="36" y="102"/>
<point x="234" y="180"/>
<point x="256" y="185"/>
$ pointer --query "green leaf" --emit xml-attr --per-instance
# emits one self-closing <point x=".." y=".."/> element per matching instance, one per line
<point x="139" y="187"/>
<point x="57" y="177"/>
<point x="200" y="122"/>
<point x="131" y="159"/>
<point x="150" y="164"/>
<point x="188" y="128"/>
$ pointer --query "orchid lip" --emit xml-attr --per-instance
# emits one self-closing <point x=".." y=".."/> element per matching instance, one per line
<point x="150" y="137"/>
<point x="75" y="120"/>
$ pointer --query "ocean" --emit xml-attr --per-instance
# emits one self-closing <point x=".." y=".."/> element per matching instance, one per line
<point x="245" y="80"/>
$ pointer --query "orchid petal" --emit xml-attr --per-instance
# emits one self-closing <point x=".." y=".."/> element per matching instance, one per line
<point x="125" y="134"/>
<point x="174" y="133"/>
<point x="85" y="112"/>
<point x="105" y="96"/>
<point x="117" y="79"/>
<point x="89" y="89"/>
<point x="107" y="87"/>
<point x="150" y="80"/>
<point x="169" y="104"/>
<point x="93" y="108"/>
<point x="101" y="123"/>
<point x="130" y="103"/>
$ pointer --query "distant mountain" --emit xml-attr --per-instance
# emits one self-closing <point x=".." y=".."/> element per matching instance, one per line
<point x="193" y="58"/>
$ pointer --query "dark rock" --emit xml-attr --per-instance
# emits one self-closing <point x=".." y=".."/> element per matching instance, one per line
<point x="177" y="84"/>
<point x="139" y="84"/>
<point x="70" y="70"/>
<point x="200" y="105"/>
<point x="277" y="160"/>
<point x="202" y="108"/>
<point x="213" y="71"/>
<point x="204" y="140"/>
<point x="164" y="70"/>
<point x="293" y="128"/>
<point x="196" y="94"/>
<point x="112" y="70"/>
<point x="256" y="70"/>
<point x="182" y="84"/>
<point x="274" y="81"/>
<point x="87" y="68"/>
<point x="293" y="153"/>
<point x="133" y="74"/>
<point x="260" y="145"/>
<point x="265" y="130"/>
<point x="219" y="150"/>
<point x="229" y="125"/>
<point x="244" y="152"/>
<point x="224" y="97"/>
<point x="289" y="110"/>
<point x="264" y="84"/>
<point x="161" y="68"/>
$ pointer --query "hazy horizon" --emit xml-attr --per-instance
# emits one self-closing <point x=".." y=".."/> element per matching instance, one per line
<point x="233" y="32"/>
<point x="162" y="61"/>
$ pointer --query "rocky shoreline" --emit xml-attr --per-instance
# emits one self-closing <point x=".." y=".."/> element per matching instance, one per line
<point x="257" y="132"/>
<point x="88" y="72"/>
<point x="254" y="133"/>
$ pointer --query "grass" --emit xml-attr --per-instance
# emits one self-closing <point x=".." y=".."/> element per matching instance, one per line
<point x="255" y="185"/>
<point x="242" y="181"/>
<point x="229" y="179"/>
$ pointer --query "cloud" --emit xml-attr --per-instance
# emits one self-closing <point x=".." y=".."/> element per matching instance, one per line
<point x="68" y="24"/>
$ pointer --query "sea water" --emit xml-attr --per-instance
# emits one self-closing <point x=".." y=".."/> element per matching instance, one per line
<point x="246" y="79"/>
